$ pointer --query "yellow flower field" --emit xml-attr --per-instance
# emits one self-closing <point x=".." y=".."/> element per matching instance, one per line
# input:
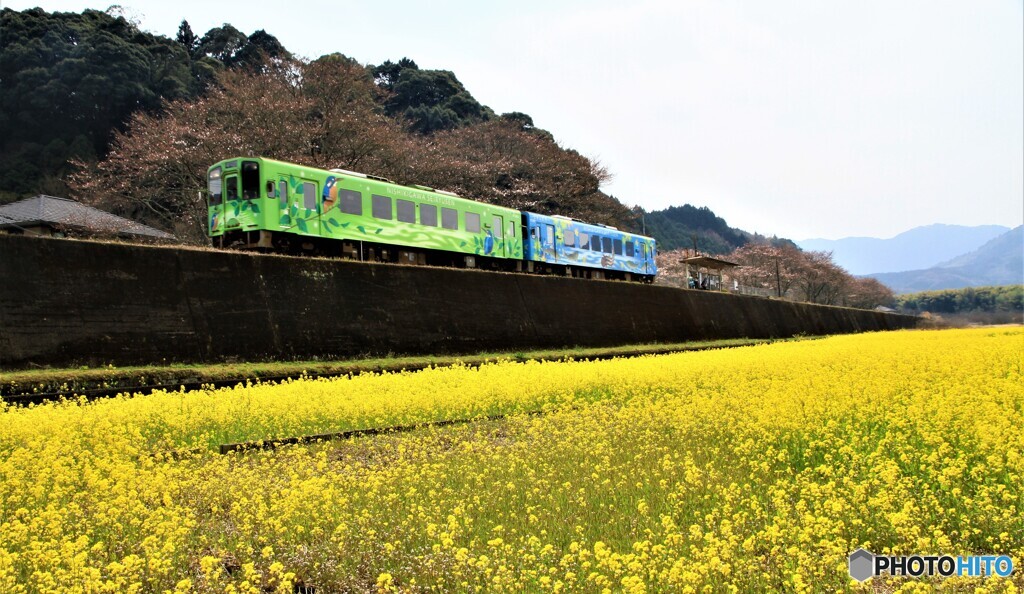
<point x="750" y="469"/>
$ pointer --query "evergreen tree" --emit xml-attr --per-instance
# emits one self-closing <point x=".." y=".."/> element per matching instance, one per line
<point x="187" y="38"/>
<point x="68" y="81"/>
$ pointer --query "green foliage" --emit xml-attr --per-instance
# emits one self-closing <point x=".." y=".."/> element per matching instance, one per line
<point x="972" y="299"/>
<point x="431" y="100"/>
<point x="232" y="48"/>
<point x="259" y="47"/>
<point x="222" y="43"/>
<point x="386" y="75"/>
<point x="187" y="38"/>
<point x="678" y="226"/>
<point x="69" y="80"/>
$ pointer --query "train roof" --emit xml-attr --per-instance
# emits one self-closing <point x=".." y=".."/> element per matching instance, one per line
<point x="589" y="227"/>
<point x="376" y="179"/>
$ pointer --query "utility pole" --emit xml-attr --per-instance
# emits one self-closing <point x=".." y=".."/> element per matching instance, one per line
<point x="778" y="279"/>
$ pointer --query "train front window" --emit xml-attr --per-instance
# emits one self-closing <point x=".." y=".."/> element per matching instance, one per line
<point x="215" y="186"/>
<point x="250" y="180"/>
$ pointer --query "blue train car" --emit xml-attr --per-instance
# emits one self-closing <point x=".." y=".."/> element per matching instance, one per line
<point x="561" y="245"/>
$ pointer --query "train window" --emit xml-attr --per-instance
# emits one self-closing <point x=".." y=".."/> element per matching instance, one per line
<point x="497" y="226"/>
<point x="350" y="202"/>
<point x="449" y="218"/>
<point x="231" y="189"/>
<point x="428" y="215"/>
<point x="511" y="229"/>
<point x="381" y="207"/>
<point x="533" y="233"/>
<point x="618" y="247"/>
<point x="309" y="195"/>
<point x="406" y="210"/>
<point x="250" y="180"/>
<point x="606" y="244"/>
<point x="595" y="243"/>
<point x="282" y="193"/>
<point x="549" y="235"/>
<point x="629" y="249"/>
<point x="584" y="240"/>
<point x="472" y="222"/>
<point x="215" y="185"/>
<point x="570" y="238"/>
<point x="270" y="188"/>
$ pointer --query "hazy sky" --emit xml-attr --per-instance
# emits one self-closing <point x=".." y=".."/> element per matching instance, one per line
<point x="800" y="119"/>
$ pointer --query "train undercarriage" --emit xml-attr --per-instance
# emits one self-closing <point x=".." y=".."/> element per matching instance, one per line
<point x="364" y="251"/>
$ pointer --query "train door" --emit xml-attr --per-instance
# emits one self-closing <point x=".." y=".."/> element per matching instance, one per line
<point x="284" y="216"/>
<point x="304" y="205"/>
<point x="215" y="202"/>
<point x="547" y="242"/>
<point x="498" y="232"/>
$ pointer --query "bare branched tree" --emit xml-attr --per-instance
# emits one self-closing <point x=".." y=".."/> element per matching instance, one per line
<point x="329" y="113"/>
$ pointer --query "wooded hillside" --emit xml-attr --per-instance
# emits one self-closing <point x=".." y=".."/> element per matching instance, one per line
<point x="94" y="108"/>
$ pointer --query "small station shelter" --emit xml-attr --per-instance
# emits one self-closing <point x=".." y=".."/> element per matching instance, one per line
<point x="705" y="272"/>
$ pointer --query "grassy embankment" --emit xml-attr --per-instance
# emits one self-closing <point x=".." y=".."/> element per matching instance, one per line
<point x="28" y="381"/>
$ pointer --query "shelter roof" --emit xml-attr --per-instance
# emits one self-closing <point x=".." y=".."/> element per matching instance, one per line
<point x="709" y="262"/>
<point x="43" y="209"/>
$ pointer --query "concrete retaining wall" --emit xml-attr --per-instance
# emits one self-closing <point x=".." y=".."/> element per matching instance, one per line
<point x="66" y="302"/>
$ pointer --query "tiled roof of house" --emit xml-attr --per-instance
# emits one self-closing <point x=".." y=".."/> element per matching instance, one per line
<point x="61" y="211"/>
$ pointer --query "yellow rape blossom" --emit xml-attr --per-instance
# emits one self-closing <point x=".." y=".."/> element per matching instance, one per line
<point x="751" y="469"/>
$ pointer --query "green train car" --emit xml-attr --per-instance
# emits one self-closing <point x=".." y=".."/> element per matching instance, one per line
<point x="262" y="203"/>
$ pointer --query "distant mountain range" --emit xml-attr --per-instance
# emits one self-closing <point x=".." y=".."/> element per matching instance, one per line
<point x="1000" y="261"/>
<point x="928" y="258"/>
<point x="917" y="249"/>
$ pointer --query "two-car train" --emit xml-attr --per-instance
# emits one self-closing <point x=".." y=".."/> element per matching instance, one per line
<point x="262" y="203"/>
